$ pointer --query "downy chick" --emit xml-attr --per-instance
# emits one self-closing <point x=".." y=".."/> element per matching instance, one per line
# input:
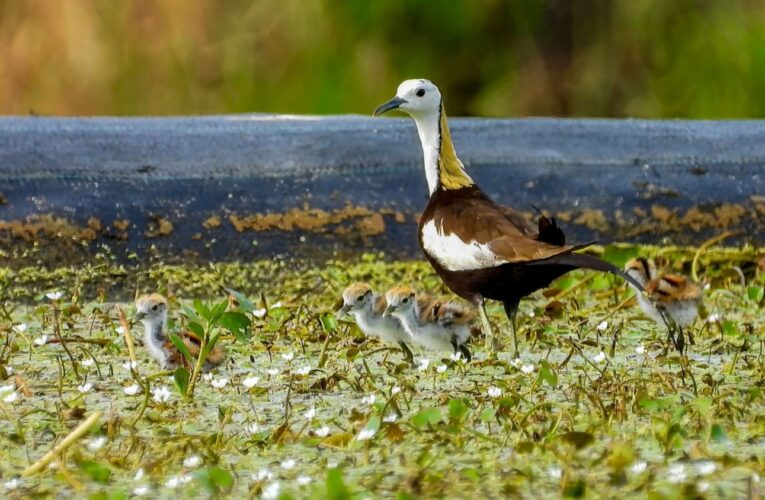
<point x="151" y="310"/>
<point x="366" y="307"/>
<point x="674" y="295"/>
<point x="431" y="323"/>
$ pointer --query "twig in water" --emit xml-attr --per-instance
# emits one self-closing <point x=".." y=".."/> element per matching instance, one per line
<point x="68" y="441"/>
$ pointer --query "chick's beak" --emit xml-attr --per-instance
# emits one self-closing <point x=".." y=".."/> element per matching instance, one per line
<point x="388" y="311"/>
<point x="392" y="104"/>
<point x="342" y="311"/>
<point x="139" y="315"/>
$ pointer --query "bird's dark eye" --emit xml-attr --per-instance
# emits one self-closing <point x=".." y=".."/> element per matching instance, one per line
<point x="155" y="307"/>
<point x="361" y="297"/>
<point x="420" y="92"/>
<point x="406" y="300"/>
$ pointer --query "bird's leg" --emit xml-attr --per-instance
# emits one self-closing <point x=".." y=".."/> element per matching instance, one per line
<point x="407" y="353"/>
<point x="680" y="340"/>
<point x="486" y="327"/>
<point x="466" y="352"/>
<point x="511" y="309"/>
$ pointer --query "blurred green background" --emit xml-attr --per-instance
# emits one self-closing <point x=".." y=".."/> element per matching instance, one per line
<point x="642" y="58"/>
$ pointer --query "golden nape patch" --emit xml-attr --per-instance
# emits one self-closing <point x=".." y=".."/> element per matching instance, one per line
<point x="451" y="172"/>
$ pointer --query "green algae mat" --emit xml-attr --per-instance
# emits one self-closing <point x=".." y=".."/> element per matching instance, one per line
<point x="306" y="407"/>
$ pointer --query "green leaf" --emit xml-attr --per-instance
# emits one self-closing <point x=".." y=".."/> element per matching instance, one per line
<point x="548" y="374"/>
<point x="217" y="312"/>
<point x="328" y="322"/>
<point x="754" y="293"/>
<point x="457" y="409"/>
<point x="578" y="439"/>
<point x="209" y="346"/>
<point x="369" y="430"/>
<point x="618" y="255"/>
<point x="191" y="314"/>
<point x="575" y="489"/>
<point x="488" y="414"/>
<point x="178" y="343"/>
<point x="245" y="304"/>
<point x="95" y="471"/>
<point x="428" y="416"/>
<point x="336" y="488"/>
<point x="236" y="323"/>
<point x="196" y="328"/>
<point x="213" y="479"/>
<point x="202" y="310"/>
<point x="717" y="433"/>
<point x="181" y="378"/>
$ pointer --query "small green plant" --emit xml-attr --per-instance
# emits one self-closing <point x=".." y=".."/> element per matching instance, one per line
<point x="208" y="322"/>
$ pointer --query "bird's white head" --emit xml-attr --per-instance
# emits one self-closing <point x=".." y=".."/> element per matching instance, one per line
<point x="401" y="301"/>
<point x="151" y="310"/>
<point x="356" y="297"/>
<point x="419" y="98"/>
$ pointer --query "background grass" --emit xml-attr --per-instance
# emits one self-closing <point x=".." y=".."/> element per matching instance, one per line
<point x="644" y="58"/>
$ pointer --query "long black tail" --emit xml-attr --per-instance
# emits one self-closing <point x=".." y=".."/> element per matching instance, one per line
<point x="580" y="260"/>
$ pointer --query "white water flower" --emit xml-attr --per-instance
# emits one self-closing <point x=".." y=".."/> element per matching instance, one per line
<point x="702" y="486"/>
<point x="192" y="461"/>
<point x="527" y="369"/>
<point x="288" y="356"/>
<point x="12" y="484"/>
<point x="555" y="472"/>
<point x="275" y="305"/>
<point x="303" y="480"/>
<point x="132" y="390"/>
<point x="259" y="313"/>
<point x="603" y="326"/>
<point x="120" y="330"/>
<point x="41" y="340"/>
<point x="494" y="392"/>
<point x="253" y="428"/>
<point x="250" y="382"/>
<point x="130" y="365"/>
<point x="532" y="314"/>
<point x="423" y="364"/>
<point x="395" y="390"/>
<point x="599" y="357"/>
<point x="54" y="295"/>
<point x="20" y="328"/>
<point x="705" y="467"/>
<point x="455" y="356"/>
<point x="141" y="491"/>
<point x="366" y="434"/>
<point x="713" y="318"/>
<point x="138" y="475"/>
<point x="322" y="431"/>
<point x="676" y="473"/>
<point x="271" y="491"/>
<point x="85" y="388"/>
<point x="640" y="349"/>
<point x="369" y="400"/>
<point x="311" y="413"/>
<point x="441" y="368"/>
<point x="7" y="388"/>
<point x="272" y="371"/>
<point x="755" y="477"/>
<point x="305" y="370"/>
<point x="638" y="467"/>
<point x="332" y="465"/>
<point x="515" y="363"/>
<point x="96" y="444"/>
<point x="390" y="418"/>
<point x="207" y="377"/>
<point x="11" y="398"/>
<point x="161" y="394"/>
<point x="219" y="383"/>
<point x="173" y="482"/>
<point x="288" y="464"/>
<point x="87" y="362"/>
<point x="262" y="474"/>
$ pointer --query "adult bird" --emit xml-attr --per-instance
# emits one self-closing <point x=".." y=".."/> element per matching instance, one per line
<point x="480" y="249"/>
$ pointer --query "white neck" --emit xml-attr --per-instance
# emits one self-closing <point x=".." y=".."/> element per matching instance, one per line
<point x="430" y="138"/>
<point x="409" y="321"/>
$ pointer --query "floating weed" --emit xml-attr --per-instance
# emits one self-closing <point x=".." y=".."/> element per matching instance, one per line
<point x="306" y="407"/>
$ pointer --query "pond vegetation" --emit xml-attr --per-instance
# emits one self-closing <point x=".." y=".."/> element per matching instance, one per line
<point x="307" y="407"/>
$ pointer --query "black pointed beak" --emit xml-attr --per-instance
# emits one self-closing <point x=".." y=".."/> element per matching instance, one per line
<point x="392" y="104"/>
<point x="342" y="311"/>
<point x="140" y="315"/>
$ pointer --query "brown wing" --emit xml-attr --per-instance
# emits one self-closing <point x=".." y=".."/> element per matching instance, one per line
<point x="475" y="218"/>
<point x="427" y="307"/>
<point x="381" y="303"/>
<point x="453" y="313"/>
<point x="670" y="288"/>
<point x="193" y="343"/>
